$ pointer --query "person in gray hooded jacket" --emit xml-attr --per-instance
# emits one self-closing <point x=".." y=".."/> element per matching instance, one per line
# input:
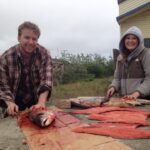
<point x="132" y="73"/>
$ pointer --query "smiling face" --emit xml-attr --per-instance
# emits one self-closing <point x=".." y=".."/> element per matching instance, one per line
<point x="131" y="42"/>
<point x="28" y="40"/>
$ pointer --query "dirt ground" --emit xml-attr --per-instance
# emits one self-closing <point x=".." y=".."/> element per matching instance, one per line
<point x="11" y="136"/>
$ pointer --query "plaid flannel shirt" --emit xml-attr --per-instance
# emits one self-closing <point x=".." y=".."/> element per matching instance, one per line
<point x="10" y="72"/>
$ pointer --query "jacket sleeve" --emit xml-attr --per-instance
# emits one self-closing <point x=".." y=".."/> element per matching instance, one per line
<point x="144" y="87"/>
<point x="5" y="89"/>
<point x="116" y="81"/>
<point x="46" y="82"/>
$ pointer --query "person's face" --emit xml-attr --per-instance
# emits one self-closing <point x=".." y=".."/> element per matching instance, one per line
<point x="131" y="42"/>
<point x="28" y="40"/>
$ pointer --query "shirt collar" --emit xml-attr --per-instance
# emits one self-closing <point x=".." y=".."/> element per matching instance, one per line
<point x="18" y="50"/>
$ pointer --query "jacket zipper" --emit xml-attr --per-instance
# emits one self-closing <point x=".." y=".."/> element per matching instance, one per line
<point x="126" y="76"/>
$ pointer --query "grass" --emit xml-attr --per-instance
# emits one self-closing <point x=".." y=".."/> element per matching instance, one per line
<point x="96" y="87"/>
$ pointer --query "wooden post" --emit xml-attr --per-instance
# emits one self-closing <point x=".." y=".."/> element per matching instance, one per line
<point x="115" y="54"/>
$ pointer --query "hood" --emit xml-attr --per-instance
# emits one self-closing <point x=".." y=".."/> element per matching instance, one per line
<point x="137" y="32"/>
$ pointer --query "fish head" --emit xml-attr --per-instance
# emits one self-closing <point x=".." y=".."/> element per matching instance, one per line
<point x="46" y="119"/>
<point x="42" y="118"/>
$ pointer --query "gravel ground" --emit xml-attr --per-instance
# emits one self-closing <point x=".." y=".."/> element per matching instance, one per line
<point x="11" y="137"/>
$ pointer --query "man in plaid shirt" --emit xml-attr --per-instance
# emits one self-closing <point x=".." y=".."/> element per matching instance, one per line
<point x="25" y="72"/>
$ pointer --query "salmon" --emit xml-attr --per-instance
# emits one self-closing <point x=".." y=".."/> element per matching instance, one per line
<point x="117" y="102"/>
<point x="122" y="117"/>
<point x="116" y="132"/>
<point x="126" y="102"/>
<point x="98" y="110"/>
<point x="87" y="102"/>
<point x="42" y="117"/>
<point x="114" y="125"/>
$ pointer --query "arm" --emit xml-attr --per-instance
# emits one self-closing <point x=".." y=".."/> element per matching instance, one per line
<point x="134" y="95"/>
<point x="41" y="101"/>
<point x="110" y="92"/>
<point x="115" y="85"/>
<point x="12" y="108"/>
<point x="43" y="98"/>
<point x="45" y="86"/>
<point x="46" y="81"/>
<point x="5" y="93"/>
<point x="144" y="88"/>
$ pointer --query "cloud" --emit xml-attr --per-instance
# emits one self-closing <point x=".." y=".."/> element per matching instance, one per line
<point x="75" y="25"/>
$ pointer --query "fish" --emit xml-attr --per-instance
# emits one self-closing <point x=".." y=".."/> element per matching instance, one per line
<point x="127" y="102"/>
<point x="88" y="102"/>
<point x="129" y="117"/>
<point x="103" y="109"/>
<point x="42" y="117"/>
<point x="118" y="102"/>
<point x="104" y="100"/>
<point x="115" y="132"/>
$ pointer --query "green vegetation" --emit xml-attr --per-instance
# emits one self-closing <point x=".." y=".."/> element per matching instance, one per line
<point x="83" y="75"/>
<point x="96" y="87"/>
<point x="83" y="68"/>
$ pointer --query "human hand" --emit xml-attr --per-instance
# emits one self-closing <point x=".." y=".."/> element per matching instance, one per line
<point x="110" y="92"/>
<point x="41" y="101"/>
<point x="12" y="108"/>
<point x="134" y="95"/>
<point x="37" y="106"/>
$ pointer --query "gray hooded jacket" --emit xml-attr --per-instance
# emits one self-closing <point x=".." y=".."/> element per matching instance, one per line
<point x="132" y="71"/>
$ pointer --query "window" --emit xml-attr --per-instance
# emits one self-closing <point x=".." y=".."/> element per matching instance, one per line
<point x="147" y="42"/>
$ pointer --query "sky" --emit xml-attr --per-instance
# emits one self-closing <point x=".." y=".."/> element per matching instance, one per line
<point x="75" y="26"/>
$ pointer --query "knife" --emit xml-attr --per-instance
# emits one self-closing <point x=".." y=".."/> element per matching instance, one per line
<point x="104" y="100"/>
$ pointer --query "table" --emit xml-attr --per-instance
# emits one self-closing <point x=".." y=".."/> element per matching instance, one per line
<point x="11" y="137"/>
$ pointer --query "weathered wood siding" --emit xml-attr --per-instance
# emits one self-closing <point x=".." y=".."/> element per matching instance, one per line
<point x="141" y="20"/>
<point x="128" y="5"/>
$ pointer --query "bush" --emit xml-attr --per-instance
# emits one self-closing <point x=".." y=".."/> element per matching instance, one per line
<point x="84" y="67"/>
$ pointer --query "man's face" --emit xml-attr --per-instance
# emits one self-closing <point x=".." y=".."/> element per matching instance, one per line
<point x="28" y="40"/>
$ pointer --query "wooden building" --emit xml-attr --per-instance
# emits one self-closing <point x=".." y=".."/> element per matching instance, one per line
<point x="135" y="13"/>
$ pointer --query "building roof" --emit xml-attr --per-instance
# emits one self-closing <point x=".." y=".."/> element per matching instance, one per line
<point x="134" y="11"/>
<point x="120" y="1"/>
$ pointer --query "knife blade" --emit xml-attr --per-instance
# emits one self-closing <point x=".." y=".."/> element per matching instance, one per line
<point x="104" y="100"/>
